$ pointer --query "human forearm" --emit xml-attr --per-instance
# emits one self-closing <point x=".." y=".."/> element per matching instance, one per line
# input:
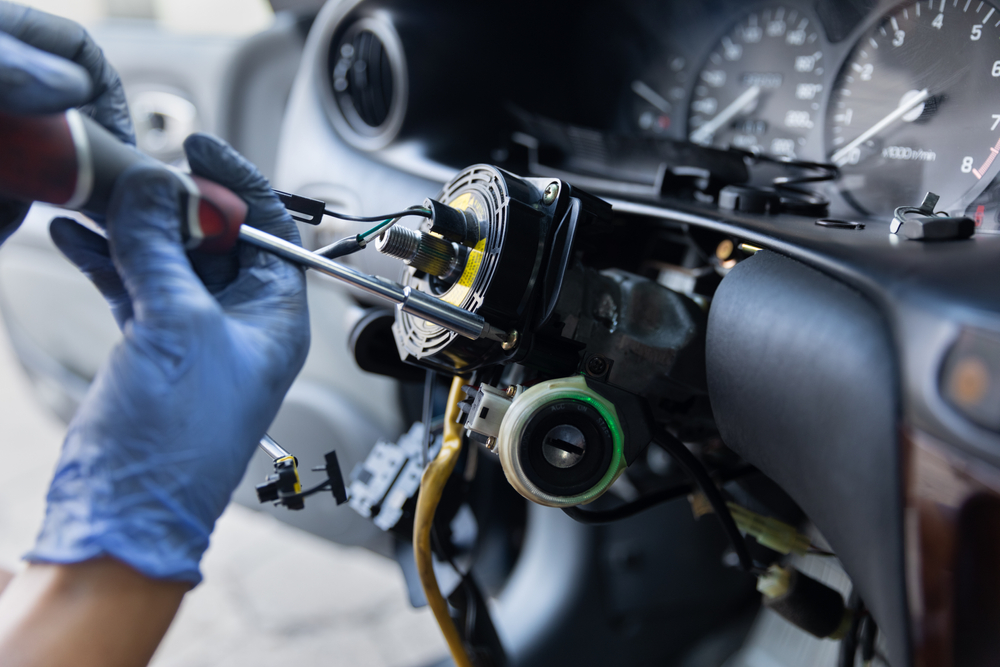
<point x="98" y="613"/>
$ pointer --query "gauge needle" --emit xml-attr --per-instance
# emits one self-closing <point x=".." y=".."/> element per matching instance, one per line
<point x="651" y="96"/>
<point x="705" y="132"/>
<point x="842" y="157"/>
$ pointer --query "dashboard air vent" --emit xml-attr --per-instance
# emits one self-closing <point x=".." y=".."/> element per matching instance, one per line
<point x="366" y="76"/>
<point x="364" y="73"/>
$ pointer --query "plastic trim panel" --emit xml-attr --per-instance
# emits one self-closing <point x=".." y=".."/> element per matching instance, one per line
<point x="802" y="376"/>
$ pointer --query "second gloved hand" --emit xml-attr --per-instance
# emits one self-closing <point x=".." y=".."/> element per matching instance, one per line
<point x="47" y="65"/>
<point x="168" y="427"/>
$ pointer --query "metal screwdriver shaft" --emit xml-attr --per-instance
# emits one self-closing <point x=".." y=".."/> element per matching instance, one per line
<point x="418" y="304"/>
<point x="273" y="449"/>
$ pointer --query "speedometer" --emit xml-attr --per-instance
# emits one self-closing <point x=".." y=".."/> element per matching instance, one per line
<point x="914" y="108"/>
<point x="761" y="86"/>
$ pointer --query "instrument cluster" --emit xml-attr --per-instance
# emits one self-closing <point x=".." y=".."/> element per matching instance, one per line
<point x="900" y="97"/>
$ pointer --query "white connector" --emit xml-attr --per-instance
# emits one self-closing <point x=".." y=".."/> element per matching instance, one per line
<point x="488" y="410"/>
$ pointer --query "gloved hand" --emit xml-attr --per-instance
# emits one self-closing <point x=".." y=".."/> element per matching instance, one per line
<point x="49" y="64"/>
<point x="168" y="427"/>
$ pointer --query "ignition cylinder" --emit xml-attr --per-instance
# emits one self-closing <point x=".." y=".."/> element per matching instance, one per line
<point x="563" y="442"/>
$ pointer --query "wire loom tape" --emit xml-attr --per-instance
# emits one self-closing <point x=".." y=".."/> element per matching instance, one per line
<point x="431" y="488"/>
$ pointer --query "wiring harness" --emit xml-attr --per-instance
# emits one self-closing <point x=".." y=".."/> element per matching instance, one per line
<point x="431" y="488"/>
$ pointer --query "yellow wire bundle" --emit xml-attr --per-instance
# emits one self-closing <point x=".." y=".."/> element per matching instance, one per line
<point x="431" y="488"/>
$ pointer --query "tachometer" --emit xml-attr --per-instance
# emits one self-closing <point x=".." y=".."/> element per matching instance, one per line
<point x="659" y="94"/>
<point x="761" y="86"/>
<point x="914" y="108"/>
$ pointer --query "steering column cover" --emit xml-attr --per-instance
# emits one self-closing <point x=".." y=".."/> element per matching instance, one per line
<point x="803" y="382"/>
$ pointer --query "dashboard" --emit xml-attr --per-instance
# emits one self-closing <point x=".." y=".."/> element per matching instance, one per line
<point x="900" y="97"/>
<point x="897" y="97"/>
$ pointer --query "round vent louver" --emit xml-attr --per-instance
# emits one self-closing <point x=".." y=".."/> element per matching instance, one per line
<point x="367" y="79"/>
<point x="363" y="73"/>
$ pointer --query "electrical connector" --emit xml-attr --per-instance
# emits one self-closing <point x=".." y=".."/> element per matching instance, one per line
<point x="769" y="532"/>
<point x="774" y="583"/>
<point x="489" y="406"/>
<point x="452" y="223"/>
<point x="384" y="487"/>
<point x="282" y="484"/>
<point x="805" y="602"/>
<point x="700" y="506"/>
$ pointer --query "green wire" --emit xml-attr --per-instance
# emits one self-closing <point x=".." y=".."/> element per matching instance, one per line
<point x="365" y="237"/>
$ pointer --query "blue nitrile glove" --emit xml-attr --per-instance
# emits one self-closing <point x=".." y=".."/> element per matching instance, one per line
<point x="49" y="64"/>
<point x="167" y="429"/>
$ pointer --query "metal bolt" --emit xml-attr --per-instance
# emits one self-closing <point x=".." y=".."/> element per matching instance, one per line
<point x="512" y="390"/>
<point x="551" y="192"/>
<point x="597" y="365"/>
<point x="564" y="446"/>
<point x="491" y="443"/>
<point x="512" y="340"/>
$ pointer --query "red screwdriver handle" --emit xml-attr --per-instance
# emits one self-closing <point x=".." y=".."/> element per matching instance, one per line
<point x="38" y="160"/>
<point x="219" y="217"/>
<point x="71" y="161"/>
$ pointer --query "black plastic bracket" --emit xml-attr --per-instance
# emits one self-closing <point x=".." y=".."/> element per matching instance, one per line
<point x="635" y="416"/>
<point x="562" y="251"/>
<point x="336" y="478"/>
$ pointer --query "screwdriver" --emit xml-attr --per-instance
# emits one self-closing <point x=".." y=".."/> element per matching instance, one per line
<point x="71" y="161"/>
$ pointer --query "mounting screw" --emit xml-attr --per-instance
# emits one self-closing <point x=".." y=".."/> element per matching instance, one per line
<point x="512" y="340"/>
<point x="597" y="366"/>
<point x="511" y="391"/>
<point x="551" y="192"/>
<point x="491" y="443"/>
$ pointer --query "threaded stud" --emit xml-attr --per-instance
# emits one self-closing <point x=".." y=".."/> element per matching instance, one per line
<point x="421" y="250"/>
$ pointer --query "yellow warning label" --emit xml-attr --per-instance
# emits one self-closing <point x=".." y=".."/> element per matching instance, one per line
<point x="456" y="295"/>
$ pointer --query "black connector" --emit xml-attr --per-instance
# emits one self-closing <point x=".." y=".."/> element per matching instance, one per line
<point x="302" y="209"/>
<point x="805" y="602"/>
<point x="451" y="223"/>
<point x="281" y="486"/>
<point x="284" y="487"/>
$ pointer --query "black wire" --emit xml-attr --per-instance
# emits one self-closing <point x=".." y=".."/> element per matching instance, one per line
<point x="849" y="644"/>
<point x="419" y="210"/>
<point x="471" y="608"/>
<point x="468" y="624"/>
<point x="829" y="171"/>
<point x="794" y="198"/>
<point x="866" y="638"/>
<point x="323" y="486"/>
<point x="352" y="244"/>
<point x="439" y="546"/>
<point x="815" y="551"/>
<point x="651" y="500"/>
<point x="693" y="467"/>
<point x="430" y="380"/>
<point x="344" y="246"/>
